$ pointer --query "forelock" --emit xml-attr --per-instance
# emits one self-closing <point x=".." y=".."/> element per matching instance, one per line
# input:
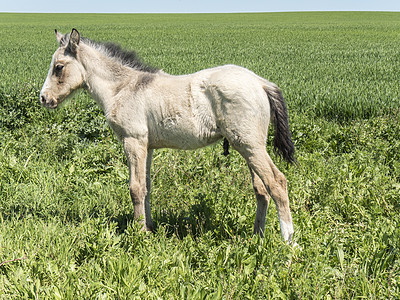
<point x="64" y="40"/>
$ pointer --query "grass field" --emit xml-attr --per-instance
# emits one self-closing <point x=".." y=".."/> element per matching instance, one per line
<point x="66" y="219"/>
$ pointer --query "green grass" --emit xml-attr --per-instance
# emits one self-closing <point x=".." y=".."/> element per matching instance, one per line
<point x="66" y="220"/>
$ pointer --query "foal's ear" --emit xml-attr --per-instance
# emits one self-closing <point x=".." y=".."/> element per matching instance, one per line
<point x="59" y="36"/>
<point x="74" y="40"/>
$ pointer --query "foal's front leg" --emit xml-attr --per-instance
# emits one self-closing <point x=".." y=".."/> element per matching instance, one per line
<point x="136" y="153"/>
<point x="149" y="221"/>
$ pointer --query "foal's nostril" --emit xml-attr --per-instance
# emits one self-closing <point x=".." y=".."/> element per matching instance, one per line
<point x="48" y="101"/>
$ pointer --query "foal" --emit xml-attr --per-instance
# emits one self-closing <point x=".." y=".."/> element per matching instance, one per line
<point x="149" y="109"/>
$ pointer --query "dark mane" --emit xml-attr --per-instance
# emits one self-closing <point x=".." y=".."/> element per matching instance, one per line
<point x="125" y="57"/>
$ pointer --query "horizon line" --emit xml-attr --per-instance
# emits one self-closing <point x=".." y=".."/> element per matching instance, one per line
<point x="232" y="12"/>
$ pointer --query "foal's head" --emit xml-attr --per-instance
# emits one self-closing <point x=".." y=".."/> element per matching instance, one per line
<point x="66" y="74"/>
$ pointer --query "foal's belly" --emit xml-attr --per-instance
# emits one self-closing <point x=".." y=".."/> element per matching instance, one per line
<point x="171" y="133"/>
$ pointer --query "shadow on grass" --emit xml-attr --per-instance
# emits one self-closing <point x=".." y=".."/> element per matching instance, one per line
<point x="196" y="220"/>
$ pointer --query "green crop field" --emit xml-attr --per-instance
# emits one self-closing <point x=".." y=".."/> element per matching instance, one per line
<point x="66" y="219"/>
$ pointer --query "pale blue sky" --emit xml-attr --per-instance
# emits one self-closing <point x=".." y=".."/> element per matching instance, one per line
<point x="193" y="6"/>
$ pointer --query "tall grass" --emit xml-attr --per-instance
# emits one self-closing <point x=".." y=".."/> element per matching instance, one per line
<point x="66" y="220"/>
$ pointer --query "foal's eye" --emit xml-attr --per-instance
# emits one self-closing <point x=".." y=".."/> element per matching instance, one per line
<point x="59" y="68"/>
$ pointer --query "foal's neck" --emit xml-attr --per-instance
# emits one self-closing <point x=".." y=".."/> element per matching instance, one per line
<point x="103" y="76"/>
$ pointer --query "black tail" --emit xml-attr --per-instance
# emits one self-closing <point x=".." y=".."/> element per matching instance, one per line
<point x="283" y="144"/>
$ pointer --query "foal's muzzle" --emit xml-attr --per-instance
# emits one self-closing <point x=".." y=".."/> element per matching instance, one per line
<point x="48" y="101"/>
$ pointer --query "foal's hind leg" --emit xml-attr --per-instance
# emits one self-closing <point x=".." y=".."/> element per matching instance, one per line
<point x="274" y="182"/>
<point x="262" y="203"/>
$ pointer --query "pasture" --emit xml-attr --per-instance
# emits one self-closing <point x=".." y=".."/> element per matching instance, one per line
<point x="66" y="218"/>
